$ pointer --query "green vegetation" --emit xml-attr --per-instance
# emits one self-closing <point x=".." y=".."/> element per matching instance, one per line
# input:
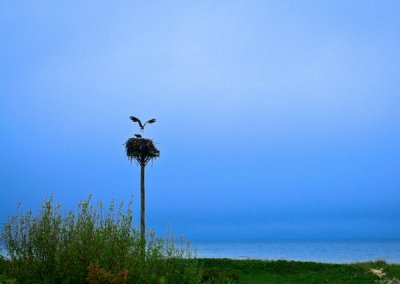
<point x="260" y="271"/>
<point x="89" y="245"/>
<point x="282" y="271"/>
<point x="96" y="245"/>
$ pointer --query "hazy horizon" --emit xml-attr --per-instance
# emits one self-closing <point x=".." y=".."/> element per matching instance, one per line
<point x="275" y="119"/>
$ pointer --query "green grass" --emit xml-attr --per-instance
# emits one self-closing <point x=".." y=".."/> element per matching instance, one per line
<point x="282" y="271"/>
<point x="279" y="271"/>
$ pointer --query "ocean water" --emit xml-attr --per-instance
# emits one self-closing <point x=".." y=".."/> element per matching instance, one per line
<point x="319" y="251"/>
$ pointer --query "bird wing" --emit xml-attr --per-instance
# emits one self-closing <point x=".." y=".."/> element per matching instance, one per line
<point x="135" y="119"/>
<point x="150" y="121"/>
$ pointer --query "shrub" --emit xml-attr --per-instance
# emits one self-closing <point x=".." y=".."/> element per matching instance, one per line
<point x="97" y="275"/>
<point x="91" y="244"/>
<point x="4" y="271"/>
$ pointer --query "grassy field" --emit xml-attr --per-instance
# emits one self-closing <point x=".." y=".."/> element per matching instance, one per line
<point x="281" y="271"/>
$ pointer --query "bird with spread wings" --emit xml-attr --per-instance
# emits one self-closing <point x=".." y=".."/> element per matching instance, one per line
<point x="135" y="119"/>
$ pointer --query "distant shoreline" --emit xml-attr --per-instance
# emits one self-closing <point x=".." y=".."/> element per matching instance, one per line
<point x="339" y="252"/>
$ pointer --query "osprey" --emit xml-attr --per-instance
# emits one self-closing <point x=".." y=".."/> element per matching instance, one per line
<point x="134" y="119"/>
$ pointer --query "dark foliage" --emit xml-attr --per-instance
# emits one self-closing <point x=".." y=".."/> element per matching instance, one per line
<point x="90" y="244"/>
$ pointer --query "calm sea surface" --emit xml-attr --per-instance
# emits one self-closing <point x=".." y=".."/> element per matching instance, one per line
<point x="320" y="251"/>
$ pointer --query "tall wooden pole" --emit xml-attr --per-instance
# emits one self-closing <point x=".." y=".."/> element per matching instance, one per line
<point x="142" y="150"/>
<point x="142" y="204"/>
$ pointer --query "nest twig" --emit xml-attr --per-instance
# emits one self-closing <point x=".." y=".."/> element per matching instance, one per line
<point x="141" y="149"/>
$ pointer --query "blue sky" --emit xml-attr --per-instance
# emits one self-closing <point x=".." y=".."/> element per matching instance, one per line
<point x="276" y="119"/>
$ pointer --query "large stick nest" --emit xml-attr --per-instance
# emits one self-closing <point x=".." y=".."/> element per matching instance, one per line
<point x="141" y="149"/>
